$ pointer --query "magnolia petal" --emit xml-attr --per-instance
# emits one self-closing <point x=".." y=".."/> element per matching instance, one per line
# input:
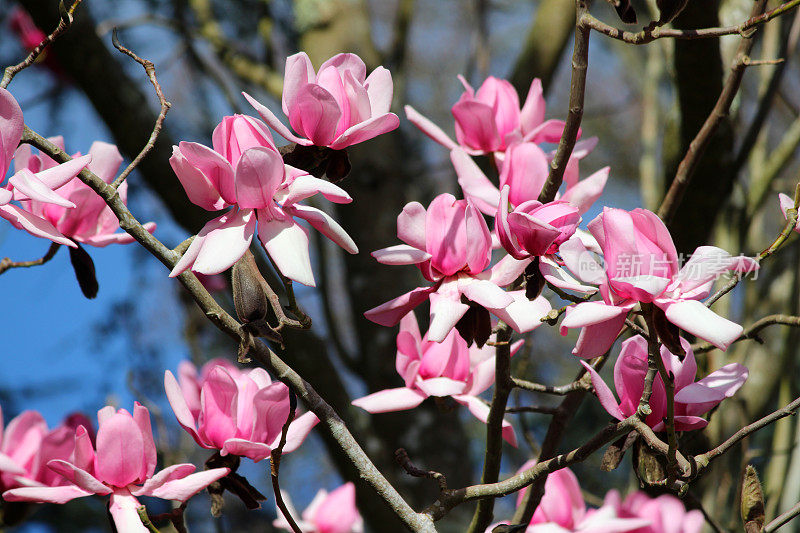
<point x="380" y="90"/>
<point x="273" y="122"/>
<point x="299" y="430"/>
<point x="36" y="226"/>
<point x="715" y="387"/>
<point x="445" y="313"/>
<point x="441" y="386"/>
<point x="523" y="315"/>
<point x="172" y="472"/>
<point x="366" y="130"/>
<point x="474" y="183"/>
<point x="604" y="393"/>
<point x="481" y="411"/>
<point x="27" y="186"/>
<point x="79" y="477"/>
<point x="286" y="242"/>
<point x="389" y="400"/>
<point x="182" y="488"/>
<point x="401" y="254"/>
<point x="305" y="185"/>
<point x="429" y="128"/>
<point x="325" y="224"/>
<point x="59" y="175"/>
<point x="558" y="277"/>
<point x="45" y="494"/>
<point x="390" y="313"/>
<point x="123" y="511"/>
<point x="697" y="319"/>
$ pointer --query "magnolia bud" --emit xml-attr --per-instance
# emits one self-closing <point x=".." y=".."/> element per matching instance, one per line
<point x="648" y="466"/>
<point x="83" y="266"/>
<point x="249" y="297"/>
<point x="752" y="501"/>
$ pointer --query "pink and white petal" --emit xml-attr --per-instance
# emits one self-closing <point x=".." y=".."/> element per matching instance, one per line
<point x="5" y="196"/>
<point x="474" y="183"/>
<point x="245" y="448"/>
<point x="227" y="243"/>
<point x="532" y="113"/>
<point x="390" y="400"/>
<point x="590" y="313"/>
<point x="179" y="406"/>
<point x="411" y="224"/>
<point x="507" y="270"/>
<point x="390" y="313"/>
<point x="171" y="472"/>
<point x="286" y="242"/>
<point x="45" y="494"/>
<point x="523" y="315"/>
<point x="106" y="160"/>
<point x="325" y="224"/>
<point x="441" y="386"/>
<point x="366" y="130"/>
<point x="59" y="175"/>
<point x="79" y="477"/>
<point x="380" y="90"/>
<point x="481" y="411"/>
<point x="400" y="254"/>
<point x="715" y="387"/>
<point x="596" y="339"/>
<point x="123" y="511"/>
<point x="580" y="261"/>
<point x="36" y="226"/>
<point x="604" y="394"/>
<point x="643" y="288"/>
<point x="11" y="126"/>
<point x="475" y="125"/>
<point x="298" y="431"/>
<point x="27" y="186"/>
<point x="445" y="313"/>
<point x="305" y="185"/>
<point x="483" y="374"/>
<point x="100" y="241"/>
<point x="273" y="122"/>
<point x="584" y="147"/>
<point x="558" y="277"/>
<point x="786" y="202"/>
<point x="9" y="466"/>
<point x="697" y="319"/>
<point x="485" y="293"/>
<point x="182" y="488"/>
<point x="586" y="192"/>
<point x="429" y="128"/>
<point x="687" y="423"/>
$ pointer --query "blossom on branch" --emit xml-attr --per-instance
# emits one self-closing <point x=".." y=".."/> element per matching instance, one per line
<point x="787" y="203"/>
<point x="490" y="119"/>
<point x="439" y="369"/>
<point x="91" y="222"/>
<point x="245" y="172"/>
<point x="328" y="512"/>
<point x="338" y="107"/>
<point x="121" y="465"/>
<point x="641" y="265"/>
<point x="234" y="411"/>
<point x="665" y="513"/>
<point x="27" y="185"/>
<point x="451" y="245"/>
<point x="562" y="509"/>
<point x="692" y="398"/>
<point x="26" y="446"/>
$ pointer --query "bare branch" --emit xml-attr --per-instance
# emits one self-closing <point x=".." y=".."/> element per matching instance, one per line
<point x="150" y="69"/>
<point x="7" y="263"/>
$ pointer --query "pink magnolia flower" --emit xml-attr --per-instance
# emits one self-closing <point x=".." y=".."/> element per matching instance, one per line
<point x="533" y="228"/>
<point x="245" y="172"/>
<point x="665" y="513"/>
<point x="27" y="445"/>
<point x="91" y="222"/>
<point x="121" y="465"/>
<point x="333" y="512"/>
<point x="641" y="265"/>
<point x="439" y="369"/>
<point x="692" y="398"/>
<point x="786" y="203"/>
<point x="451" y="245"/>
<point x="234" y="411"/>
<point x="338" y="107"/>
<point x="27" y="185"/>
<point x="524" y="169"/>
<point x="563" y="509"/>
<point x="490" y="119"/>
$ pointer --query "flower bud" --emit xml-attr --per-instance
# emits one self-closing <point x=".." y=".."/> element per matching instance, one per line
<point x="249" y="297"/>
<point x="752" y="501"/>
<point x="83" y="266"/>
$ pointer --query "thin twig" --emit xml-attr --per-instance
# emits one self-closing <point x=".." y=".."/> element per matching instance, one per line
<point x="560" y="390"/>
<point x="7" y="263"/>
<point x="753" y="330"/>
<point x="649" y="35"/>
<point x="791" y="222"/>
<point x="64" y="23"/>
<point x="275" y="464"/>
<point x="402" y="458"/>
<point x="697" y="147"/>
<point x="782" y="519"/>
<point x="150" y="69"/>
<point x="577" y="92"/>
<point x="541" y="409"/>
<point x="494" y="426"/>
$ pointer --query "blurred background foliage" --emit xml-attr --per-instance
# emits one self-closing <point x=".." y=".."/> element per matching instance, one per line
<point x="63" y="353"/>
